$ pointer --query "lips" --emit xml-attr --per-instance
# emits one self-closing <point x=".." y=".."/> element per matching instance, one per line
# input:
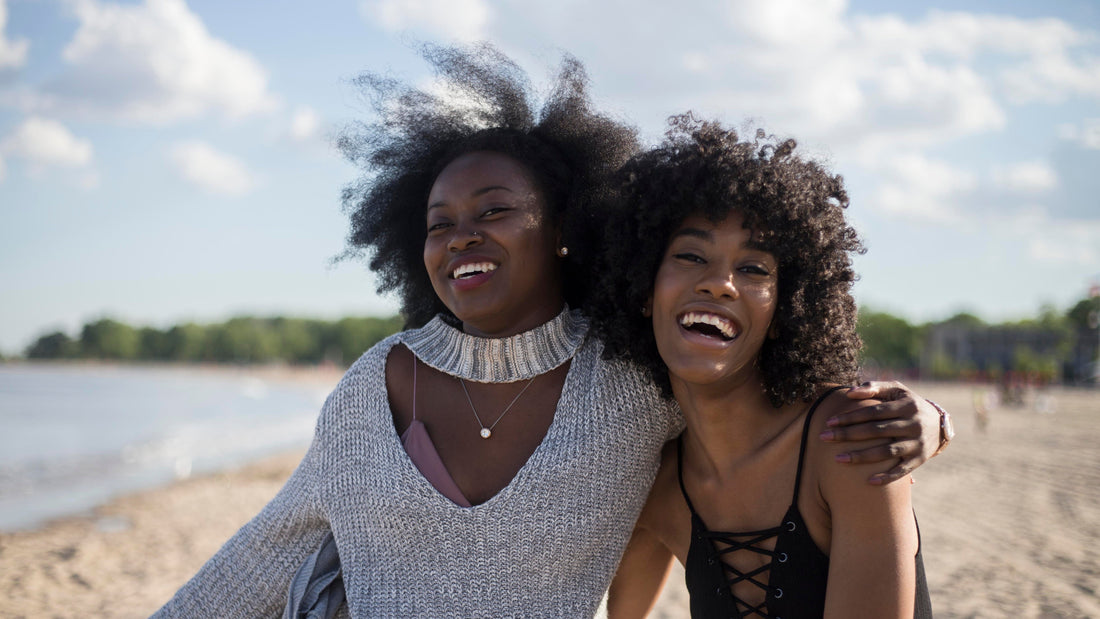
<point x="710" y="325"/>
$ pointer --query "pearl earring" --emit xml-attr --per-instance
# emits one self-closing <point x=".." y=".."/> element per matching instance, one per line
<point x="563" y="251"/>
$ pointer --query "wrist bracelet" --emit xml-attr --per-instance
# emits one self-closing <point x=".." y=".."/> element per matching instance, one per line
<point x="947" y="429"/>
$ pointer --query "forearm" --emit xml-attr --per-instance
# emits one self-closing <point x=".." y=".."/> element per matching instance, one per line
<point x="249" y="576"/>
<point x="640" y="577"/>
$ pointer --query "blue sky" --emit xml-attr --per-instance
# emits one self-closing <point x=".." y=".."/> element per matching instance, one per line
<point x="164" y="160"/>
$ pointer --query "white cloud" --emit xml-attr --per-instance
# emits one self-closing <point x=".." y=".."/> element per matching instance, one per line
<point x="452" y="19"/>
<point x="12" y="53"/>
<point x="786" y="23"/>
<point x="154" y="62"/>
<point x="1087" y="135"/>
<point x="211" y="169"/>
<point x="304" y="124"/>
<point x="1028" y="177"/>
<point x="916" y="187"/>
<point x="1064" y="243"/>
<point x="44" y="142"/>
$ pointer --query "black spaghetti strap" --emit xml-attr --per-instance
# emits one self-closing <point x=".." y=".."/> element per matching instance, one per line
<point x="805" y="435"/>
<point x="680" y="471"/>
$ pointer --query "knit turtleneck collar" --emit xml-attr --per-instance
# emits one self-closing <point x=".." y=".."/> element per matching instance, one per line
<point x="498" y="360"/>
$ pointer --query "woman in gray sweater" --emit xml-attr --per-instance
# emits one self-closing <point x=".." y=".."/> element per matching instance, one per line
<point x="488" y="461"/>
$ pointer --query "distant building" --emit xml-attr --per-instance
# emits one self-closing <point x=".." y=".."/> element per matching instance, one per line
<point x="955" y="347"/>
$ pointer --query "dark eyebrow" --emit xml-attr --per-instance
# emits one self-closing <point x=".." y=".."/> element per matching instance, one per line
<point x="693" y="232"/>
<point x="479" y="192"/>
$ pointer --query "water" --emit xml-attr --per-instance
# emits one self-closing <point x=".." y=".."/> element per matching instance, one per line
<point x="73" y="437"/>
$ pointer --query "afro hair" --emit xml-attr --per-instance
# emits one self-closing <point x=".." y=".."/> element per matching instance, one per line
<point x="486" y="103"/>
<point x="794" y="206"/>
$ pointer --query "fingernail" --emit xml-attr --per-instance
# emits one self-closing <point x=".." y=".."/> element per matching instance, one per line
<point x="832" y="422"/>
<point x="844" y="458"/>
<point x="875" y="481"/>
<point x="828" y="435"/>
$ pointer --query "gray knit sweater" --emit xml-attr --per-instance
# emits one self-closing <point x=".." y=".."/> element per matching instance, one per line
<point x="546" y="546"/>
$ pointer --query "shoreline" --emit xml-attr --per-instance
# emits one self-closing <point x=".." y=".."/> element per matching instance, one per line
<point x="1008" y="524"/>
<point x="117" y="429"/>
<point x="316" y="374"/>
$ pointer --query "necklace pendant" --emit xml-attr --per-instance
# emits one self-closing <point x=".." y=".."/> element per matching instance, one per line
<point x="486" y="433"/>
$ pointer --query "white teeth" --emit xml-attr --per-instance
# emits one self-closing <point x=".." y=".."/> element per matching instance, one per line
<point x="723" y="325"/>
<point x="473" y="268"/>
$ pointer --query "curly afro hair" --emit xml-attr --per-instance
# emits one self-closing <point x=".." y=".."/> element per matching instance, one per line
<point x="794" y="206"/>
<point x="571" y="152"/>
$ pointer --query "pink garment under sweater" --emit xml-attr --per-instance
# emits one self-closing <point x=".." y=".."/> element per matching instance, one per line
<point x="422" y="452"/>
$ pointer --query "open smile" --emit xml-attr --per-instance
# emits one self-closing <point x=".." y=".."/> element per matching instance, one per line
<point x="472" y="269"/>
<point x="709" y="325"/>
<point x="471" y="272"/>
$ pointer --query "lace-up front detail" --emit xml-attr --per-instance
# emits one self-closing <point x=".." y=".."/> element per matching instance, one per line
<point x="724" y="545"/>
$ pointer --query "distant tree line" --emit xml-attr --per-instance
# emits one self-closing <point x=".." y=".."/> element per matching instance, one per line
<point x="1054" y="346"/>
<point x="244" y="339"/>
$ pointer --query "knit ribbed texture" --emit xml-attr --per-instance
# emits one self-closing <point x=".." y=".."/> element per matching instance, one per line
<point x="546" y="545"/>
<point x="498" y="360"/>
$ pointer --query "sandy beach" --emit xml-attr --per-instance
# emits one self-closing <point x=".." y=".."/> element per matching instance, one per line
<point x="1010" y="524"/>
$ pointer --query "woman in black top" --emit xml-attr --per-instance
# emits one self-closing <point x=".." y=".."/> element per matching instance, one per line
<point x="747" y="318"/>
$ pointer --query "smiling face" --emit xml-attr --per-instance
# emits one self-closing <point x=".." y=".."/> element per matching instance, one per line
<point x="713" y="302"/>
<point x="490" y="249"/>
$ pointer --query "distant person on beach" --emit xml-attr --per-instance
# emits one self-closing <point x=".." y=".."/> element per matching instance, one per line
<point x="729" y="275"/>
<point x="984" y="401"/>
<point x="488" y="461"/>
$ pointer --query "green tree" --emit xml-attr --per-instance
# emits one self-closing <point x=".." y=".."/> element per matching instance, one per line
<point x="888" y="341"/>
<point x="1079" y="314"/>
<point x="153" y="344"/>
<point x="244" y="339"/>
<point x="964" y="319"/>
<point x="56" y="345"/>
<point x="186" y="342"/>
<point x="299" y="340"/>
<point x="353" y="336"/>
<point x="109" y="339"/>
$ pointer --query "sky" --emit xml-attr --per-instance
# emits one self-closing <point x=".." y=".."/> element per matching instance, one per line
<point x="170" y="160"/>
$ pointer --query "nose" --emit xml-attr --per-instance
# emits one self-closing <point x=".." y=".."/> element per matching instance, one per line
<point x="718" y="283"/>
<point x="464" y="237"/>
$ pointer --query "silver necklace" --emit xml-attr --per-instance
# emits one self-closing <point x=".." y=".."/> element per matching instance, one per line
<point x="487" y="432"/>
<point x="525" y="355"/>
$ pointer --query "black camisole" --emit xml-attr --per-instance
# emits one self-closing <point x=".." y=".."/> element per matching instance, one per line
<point x="799" y="570"/>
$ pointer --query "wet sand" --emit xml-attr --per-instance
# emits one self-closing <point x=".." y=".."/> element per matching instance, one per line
<point x="1010" y="523"/>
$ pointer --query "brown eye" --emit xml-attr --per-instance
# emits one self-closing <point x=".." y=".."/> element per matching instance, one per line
<point x="689" y="257"/>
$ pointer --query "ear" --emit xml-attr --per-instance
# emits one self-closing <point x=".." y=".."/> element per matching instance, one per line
<point x="773" y="331"/>
<point x="647" y="307"/>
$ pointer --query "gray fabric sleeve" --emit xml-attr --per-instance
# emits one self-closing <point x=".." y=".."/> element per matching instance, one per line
<point x="250" y="576"/>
